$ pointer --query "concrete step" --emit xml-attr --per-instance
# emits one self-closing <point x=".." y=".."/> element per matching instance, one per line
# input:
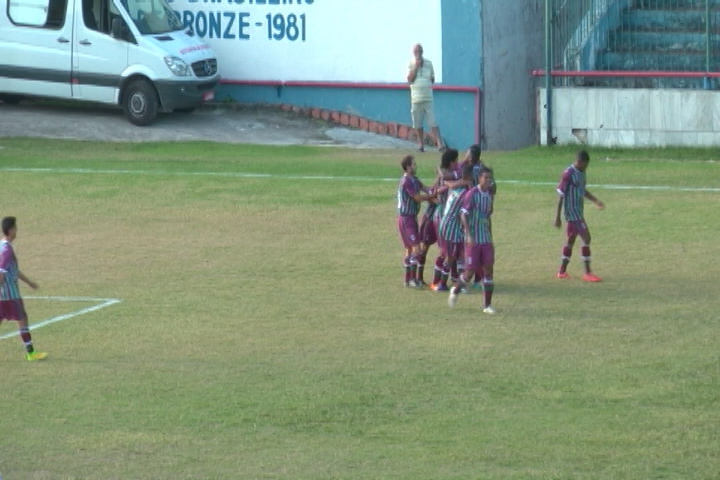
<point x="652" y="83"/>
<point x="675" y="4"/>
<point x="670" y="19"/>
<point x="657" y="61"/>
<point x="662" y="41"/>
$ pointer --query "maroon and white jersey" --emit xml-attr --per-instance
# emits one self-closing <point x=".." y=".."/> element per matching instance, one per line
<point x="408" y="188"/>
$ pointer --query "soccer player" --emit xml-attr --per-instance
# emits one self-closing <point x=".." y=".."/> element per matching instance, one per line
<point x="472" y="157"/>
<point x="447" y="172"/>
<point x="475" y="212"/>
<point x="572" y="194"/>
<point x="11" y="303"/>
<point x="428" y="232"/>
<point x="450" y="229"/>
<point x="410" y="193"/>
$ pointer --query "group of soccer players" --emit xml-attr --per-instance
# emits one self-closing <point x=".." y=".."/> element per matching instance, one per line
<point x="458" y="218"/>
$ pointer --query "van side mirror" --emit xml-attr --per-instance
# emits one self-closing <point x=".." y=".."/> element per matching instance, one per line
<point x="116" y="29"/>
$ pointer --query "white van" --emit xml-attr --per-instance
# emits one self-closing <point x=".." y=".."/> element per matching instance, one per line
<point x="132" y="53"/>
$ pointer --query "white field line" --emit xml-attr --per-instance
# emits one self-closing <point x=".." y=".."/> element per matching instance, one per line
<point x="105" y="302"/>
<point x="668" y="188"/>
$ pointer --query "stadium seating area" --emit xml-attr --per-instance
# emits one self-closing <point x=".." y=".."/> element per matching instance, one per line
<point x="656" y="35"/>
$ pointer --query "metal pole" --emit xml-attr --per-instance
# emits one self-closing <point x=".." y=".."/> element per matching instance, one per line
<point x="707" y="44"/>
<point x="548" y="74"/>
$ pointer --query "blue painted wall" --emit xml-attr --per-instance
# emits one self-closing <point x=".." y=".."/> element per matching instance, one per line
<point x="455" y="111"/>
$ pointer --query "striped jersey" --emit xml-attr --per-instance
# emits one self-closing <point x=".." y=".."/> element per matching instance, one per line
<point x="441" y="198"/>
<point x="450" y="228"/>
<point x="476" y="171"/>
<point x="409" y="187"/>
<point x="432" y="206"/>
<point x="572" y="189"/>
<point x="478" y="206"/>
<point x="9" y="289"/>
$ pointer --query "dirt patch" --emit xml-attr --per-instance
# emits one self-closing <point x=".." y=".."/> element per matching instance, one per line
<point x="219" y="123"/>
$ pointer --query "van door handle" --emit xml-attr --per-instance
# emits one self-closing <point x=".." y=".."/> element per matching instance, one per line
<point x="63" y="40"/>
<point x="85" y="42"/>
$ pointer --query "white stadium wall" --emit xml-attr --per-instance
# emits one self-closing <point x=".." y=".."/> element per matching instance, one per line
<point x="316" y="40"/>
<point x="351" y="56"/>
<point x="631" y="117"/>
<point x="347" y="59"/>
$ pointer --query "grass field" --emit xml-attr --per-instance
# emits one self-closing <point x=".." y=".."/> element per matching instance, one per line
<point x="263" y="332"/>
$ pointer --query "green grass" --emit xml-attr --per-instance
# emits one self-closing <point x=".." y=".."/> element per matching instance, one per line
<point x="263" y="332"/>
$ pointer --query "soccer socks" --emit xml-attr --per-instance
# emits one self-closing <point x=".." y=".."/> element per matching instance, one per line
<point x="586" y="258"/>
<point x="454" y="270"/>
<point x="566" y="254"/>
<point x="410" y="263"/>
<point x="439" y="262"/>
<point x="445" y="274"/>
<point x="408" y="270"/>
<point x="488" y="287"/>
<point x="421" y="267"/>
<point x="26" y="339"/>
<point x="459" y="285"/>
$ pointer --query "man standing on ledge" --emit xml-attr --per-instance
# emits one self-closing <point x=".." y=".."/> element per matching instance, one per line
<point x="421" y="78"/>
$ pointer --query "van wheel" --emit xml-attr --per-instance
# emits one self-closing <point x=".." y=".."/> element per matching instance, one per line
<point x="140" y="103"/>
<point x="10" y="99"/>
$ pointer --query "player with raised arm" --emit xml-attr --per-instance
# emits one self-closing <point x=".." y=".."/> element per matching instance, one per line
<point x="447" y="171"/>
<point x="450" y="230"/>
<point x="572" y="193"/>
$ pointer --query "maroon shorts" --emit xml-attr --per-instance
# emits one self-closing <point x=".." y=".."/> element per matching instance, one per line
<point x="408" y="227"/>
<point x="478" y="256"/>
<point x="12" y="310"/>
<point x="428" y="232"/>
<point x="576" y="228"/>
<point x="451" y="249"/>
<point x="441" y="245"/>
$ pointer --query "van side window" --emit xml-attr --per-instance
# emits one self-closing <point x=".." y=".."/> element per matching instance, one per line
<point x="90" y="15"/>
<point x="38" y="13"/>
<point x="152" y="17"/>
<point x="98" y="15"/>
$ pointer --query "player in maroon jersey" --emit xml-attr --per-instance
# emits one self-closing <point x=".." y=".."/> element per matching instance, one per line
<point x="572" y="193"/>
<point x="411" y="192"/>
<point x="475" y="213"/>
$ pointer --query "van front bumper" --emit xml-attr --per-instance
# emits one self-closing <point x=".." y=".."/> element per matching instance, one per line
<point x="185" y="94"/>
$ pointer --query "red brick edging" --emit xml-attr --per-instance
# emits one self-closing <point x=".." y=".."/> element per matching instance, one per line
<point x="390" y="129"/>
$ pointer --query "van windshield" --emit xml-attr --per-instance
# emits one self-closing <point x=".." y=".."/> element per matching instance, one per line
<point x="152" y="16"/>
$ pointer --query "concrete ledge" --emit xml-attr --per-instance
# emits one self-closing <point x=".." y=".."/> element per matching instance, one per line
<point x="609" y="117"/>
<point x="390" y="129"/>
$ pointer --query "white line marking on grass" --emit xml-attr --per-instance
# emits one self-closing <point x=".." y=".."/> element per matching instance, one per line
<point x="106" y="302"/>
<point x="660" y="188"/>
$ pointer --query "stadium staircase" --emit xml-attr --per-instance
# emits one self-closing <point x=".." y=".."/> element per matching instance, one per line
<point x="663" y="35"/>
